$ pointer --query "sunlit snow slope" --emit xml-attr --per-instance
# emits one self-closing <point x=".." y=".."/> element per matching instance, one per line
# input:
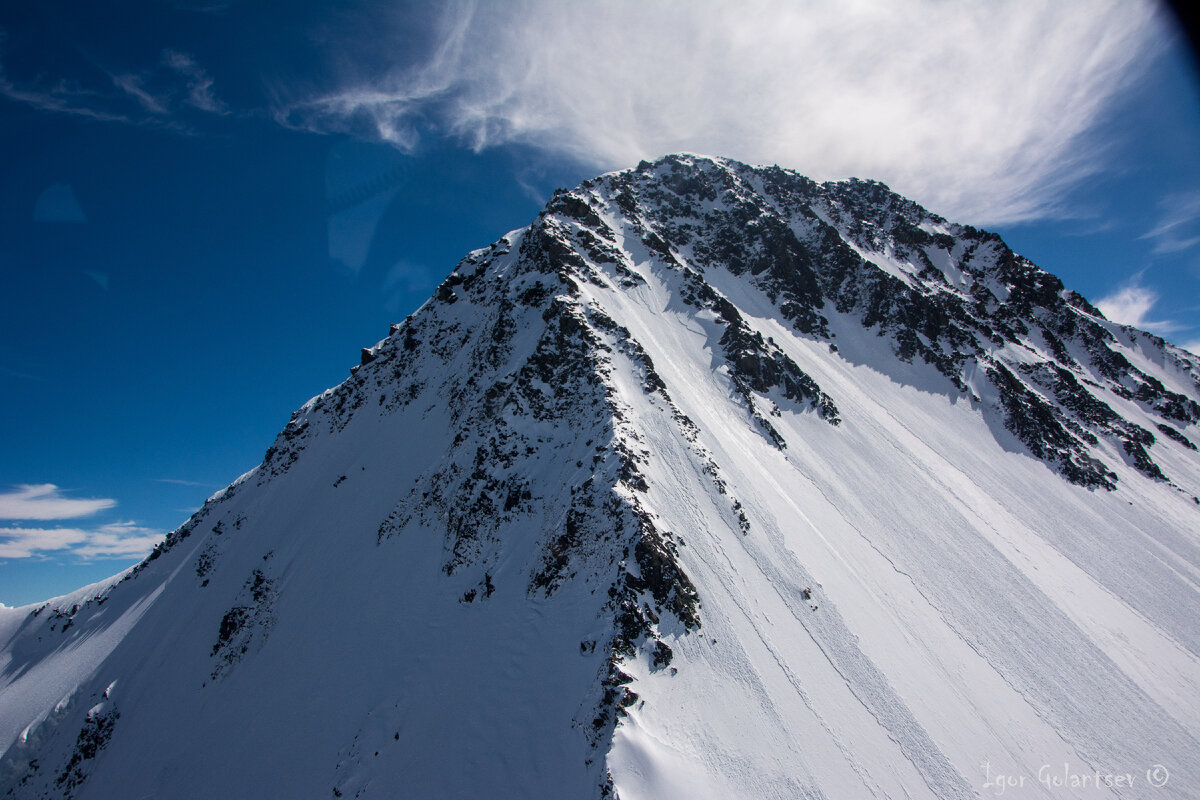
<point x="714" y="482"/>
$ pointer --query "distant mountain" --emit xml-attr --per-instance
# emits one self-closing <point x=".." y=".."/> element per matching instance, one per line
<point x="713" y="482"/>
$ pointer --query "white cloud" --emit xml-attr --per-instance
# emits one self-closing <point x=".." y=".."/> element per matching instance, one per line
<point x="980" y="110"/>
<point x="26" y="542"/>
<point x="45" y="502"/>
<point x="1131" y="305"/>
<point x="115" y="540"/>
<point x="1192" y="347"/>
<point x="1177" y="230"/>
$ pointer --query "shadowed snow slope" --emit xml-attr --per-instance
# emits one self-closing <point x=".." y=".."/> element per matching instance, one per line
<point x="713" y="482"/>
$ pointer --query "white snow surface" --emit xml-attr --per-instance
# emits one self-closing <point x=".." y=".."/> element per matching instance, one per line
<point x="918" y="606"/>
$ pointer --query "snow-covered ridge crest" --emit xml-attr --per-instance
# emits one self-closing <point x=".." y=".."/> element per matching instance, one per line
<point x="1057" y="373"/>
<point x="712" y="482"/>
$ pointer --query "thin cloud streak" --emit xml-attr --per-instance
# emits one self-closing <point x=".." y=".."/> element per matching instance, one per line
<point x="1171" y="234"/>
<point x="13" y="373"/>
<point x="45" y="502"/>
<point x="980" y="110"/>
<point x="180" y="482"/>
<point x="63" y="102"/>
<point x="154" y="96"/>
<point x="132" y="85"/>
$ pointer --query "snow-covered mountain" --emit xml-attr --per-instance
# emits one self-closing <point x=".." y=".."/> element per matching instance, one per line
<point x="713" y="482"/>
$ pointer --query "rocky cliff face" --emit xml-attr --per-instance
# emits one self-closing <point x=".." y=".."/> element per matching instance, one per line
<point x="712" y="481"/>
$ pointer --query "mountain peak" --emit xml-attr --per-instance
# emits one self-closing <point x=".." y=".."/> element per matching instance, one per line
<point x="713" y="481"/>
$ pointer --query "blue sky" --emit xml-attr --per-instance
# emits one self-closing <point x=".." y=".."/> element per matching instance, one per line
<point x="209" y="207"/>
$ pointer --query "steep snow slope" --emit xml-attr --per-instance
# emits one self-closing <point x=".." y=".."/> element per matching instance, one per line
<point x="713" y="482"/>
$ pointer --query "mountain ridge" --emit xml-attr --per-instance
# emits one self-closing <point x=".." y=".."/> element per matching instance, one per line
<point x="690" y="398"/>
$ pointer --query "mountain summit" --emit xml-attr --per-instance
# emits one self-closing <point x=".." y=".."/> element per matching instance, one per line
<point x="713" y="482"/>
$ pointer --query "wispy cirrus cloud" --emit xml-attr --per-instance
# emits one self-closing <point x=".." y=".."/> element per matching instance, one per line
<point x="62" y="98"/>
<point x="985" y="112"/>
<point x="133" y="86"/>
<point x="177" y="80"/>
<point x="44" y="502"/>
<point x="148" y="95"/>
<point x="58" y="94"/>
<point x="1178" y="228"/>
<point x="200" y="93"/>
<point x="981" y="110"/>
